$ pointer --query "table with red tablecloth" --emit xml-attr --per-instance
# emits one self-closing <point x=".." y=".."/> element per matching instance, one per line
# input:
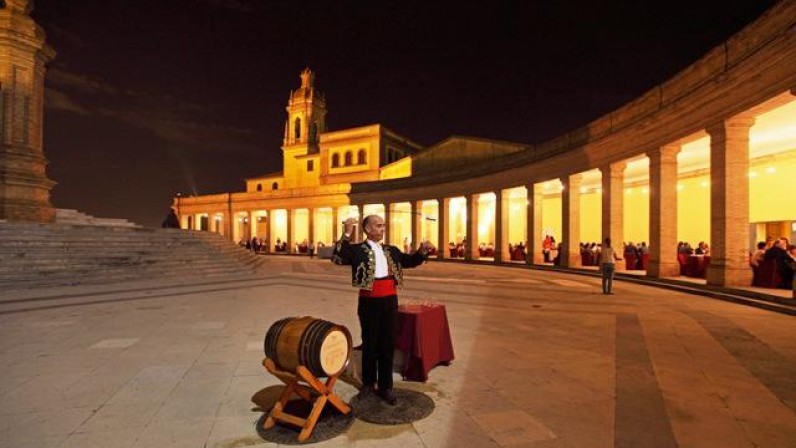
<point x="697" y="266"/>
<point x="424" y="338"/>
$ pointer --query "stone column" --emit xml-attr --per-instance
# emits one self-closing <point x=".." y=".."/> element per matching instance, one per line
<point x="613" y="186"/>
<point x="729" y="202"/>
<point x="24" y="186"/>
<point x="291" y="222"/>
<point x="310" y="225"/>
<point x="388" y="212"/>
<point x="471" y="250"/>
<point x="534" y="224"/>
<point x="335" y="224"/>
<point x="417" y="223"/>
<point x="570" y="208"/>
<point x="229" y="219"/>
<point x="267" y="233"/>
<point x="663" y="212"/>
<point x="502" y="211"/>
<point x="443" y="222"/>
<point x="249" y="224"/>
<point x="357" y="228"/>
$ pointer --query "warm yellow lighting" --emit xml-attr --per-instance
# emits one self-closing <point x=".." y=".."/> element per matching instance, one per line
<point x="771" y="170"/>
<point x="628" y="191"/>
<point x="645" y="190"/>
<point x="583" y="190"/>
<point x="680" y="187"/>
<point x="752" y="174"/>
<point x="600" y="190"/>
<point x="704" y="184"/>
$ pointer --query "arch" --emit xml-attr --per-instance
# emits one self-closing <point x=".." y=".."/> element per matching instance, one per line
<point x="297" y="128"/>
<point x="362" y="157"/>
<point x="275" y="186"/>
<point x="335" y="160"/>
<point x="259" y="187"/>
<point x="349" y="158"/>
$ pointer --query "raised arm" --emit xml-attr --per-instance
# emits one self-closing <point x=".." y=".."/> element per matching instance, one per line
<point x="343" y="252"/>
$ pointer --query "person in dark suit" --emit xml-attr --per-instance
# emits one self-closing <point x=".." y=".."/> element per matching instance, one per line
<point x="376" y="270"/>
<point x="779" y="253"/>
<point x="171" y="221"/>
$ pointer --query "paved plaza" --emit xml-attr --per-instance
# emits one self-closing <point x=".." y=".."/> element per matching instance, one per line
<point x="542" y="360"/>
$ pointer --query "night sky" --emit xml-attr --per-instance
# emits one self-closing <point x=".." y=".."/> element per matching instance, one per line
<point x="150" y="98"/>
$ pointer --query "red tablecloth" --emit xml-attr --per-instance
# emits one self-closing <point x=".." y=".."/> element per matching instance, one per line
<point x="697" y="266"/>
<point x="424" y="338"/>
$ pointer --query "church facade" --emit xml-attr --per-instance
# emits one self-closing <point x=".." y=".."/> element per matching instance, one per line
<point x="707" y="156"/>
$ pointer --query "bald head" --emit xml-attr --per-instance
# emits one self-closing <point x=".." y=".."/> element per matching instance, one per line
<point x="373" y="226"/>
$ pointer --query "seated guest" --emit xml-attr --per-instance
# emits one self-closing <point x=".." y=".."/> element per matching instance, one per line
<point x="785" y="263"/>
<point x="757" y="256"/>
<point x="700" y="248"/>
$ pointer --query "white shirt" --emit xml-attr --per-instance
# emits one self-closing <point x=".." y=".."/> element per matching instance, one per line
<point x="607" y="255"/>
<point x="381" y="261"/>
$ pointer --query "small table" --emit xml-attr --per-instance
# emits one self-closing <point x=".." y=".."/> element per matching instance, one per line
<point x="697" y="266"/>
<point x="424" y="338"/>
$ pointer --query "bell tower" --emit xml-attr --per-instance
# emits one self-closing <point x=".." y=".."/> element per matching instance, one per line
<point x="306" y="116"/>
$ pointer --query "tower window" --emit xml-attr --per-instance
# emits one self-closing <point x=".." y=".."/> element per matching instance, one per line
<point x="297" y="128"/>
<point x="275" y="186"/>
<point x="335" y="160"/>
<point x="259" y="187"/>
<point x="349" y="158"/>
<point x="362" y="157"/>
<point x="310" y="165"/>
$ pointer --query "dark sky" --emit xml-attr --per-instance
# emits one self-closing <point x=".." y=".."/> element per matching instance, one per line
<point x="149" y="98"/>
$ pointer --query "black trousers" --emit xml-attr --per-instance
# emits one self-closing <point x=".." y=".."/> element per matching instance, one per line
<point x="377" y="319"/>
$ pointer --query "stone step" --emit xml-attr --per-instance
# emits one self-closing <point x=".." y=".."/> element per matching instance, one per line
<point x="113" y="277"/>
<point x="38" y="255"/>
<point x="74" y="217"/>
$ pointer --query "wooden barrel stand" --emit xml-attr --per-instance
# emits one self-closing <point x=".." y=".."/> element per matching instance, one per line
<point x="314" y="391"/>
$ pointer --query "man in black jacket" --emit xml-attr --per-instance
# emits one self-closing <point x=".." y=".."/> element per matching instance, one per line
<point x="779" y="253"/>
<point x="376" y="269"/>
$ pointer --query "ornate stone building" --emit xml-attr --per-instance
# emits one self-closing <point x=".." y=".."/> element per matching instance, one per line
<point x="24" y="186"/>
<point x="708" y="155"/>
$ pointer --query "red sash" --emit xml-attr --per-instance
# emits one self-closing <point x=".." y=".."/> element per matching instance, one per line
<point x="381" y="288"/>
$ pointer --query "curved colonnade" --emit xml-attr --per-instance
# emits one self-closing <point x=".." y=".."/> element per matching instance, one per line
<point x="707" y="154"/>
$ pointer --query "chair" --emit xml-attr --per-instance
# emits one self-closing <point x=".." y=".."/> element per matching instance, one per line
<point x="767" y="275"/>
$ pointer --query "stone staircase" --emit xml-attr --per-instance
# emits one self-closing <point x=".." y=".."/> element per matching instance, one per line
<point x="76" y="218"/>
<point x="46" y="255"/>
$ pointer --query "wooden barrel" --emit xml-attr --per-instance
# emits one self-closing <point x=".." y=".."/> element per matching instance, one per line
<point x="321" y="346"/>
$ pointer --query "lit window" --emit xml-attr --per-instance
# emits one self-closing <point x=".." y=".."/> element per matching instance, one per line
<point x="349" y="158"/>
<point x="335" y="160"/>
<point x="361" y="157"/>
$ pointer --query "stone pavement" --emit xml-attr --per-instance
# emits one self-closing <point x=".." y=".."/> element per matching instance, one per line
<point x="542" y="360"/>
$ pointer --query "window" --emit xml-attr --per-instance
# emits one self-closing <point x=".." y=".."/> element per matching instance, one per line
<point x="298" y="128"/>
<point x="259" y="187"/>
<point x="361" y="157"/>
<point x="349" y="158"/>
<point x="310" y="165"/>
<point x="335" y="160"/>
<point x="275" y="186"/>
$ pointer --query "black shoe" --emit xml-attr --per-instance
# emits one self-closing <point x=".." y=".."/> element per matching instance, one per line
<point x="388" y="396"/>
